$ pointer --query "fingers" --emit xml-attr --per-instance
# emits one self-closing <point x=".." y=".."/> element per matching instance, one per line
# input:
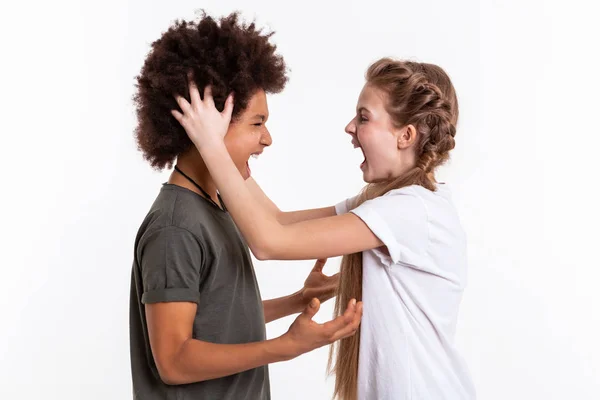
<point x="198" y="106"/>
<point x="194" y="93"/>
<point x="319" y="265"/>
<point x="312" y="308"/>
<point x="178" y="116"/>
<point x="228" y="110"/>
<point x="351" y="328"/>
<point x="208" y="97"/>
<point x="342" y="321"/>
<point x="183" y="104"/>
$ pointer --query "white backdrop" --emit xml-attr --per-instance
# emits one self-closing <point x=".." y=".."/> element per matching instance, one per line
<point x="74" y="188"/>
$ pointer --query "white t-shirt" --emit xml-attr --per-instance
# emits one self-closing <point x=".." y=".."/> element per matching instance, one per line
<point x="411" y="297"/>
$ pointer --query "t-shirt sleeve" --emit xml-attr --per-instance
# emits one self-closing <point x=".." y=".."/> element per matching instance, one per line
<point x="345" y="206"/>
<point x="399" y="220"/>
<point x="170" y="260"/>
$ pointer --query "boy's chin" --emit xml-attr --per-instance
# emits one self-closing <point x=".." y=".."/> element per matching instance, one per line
<point x="245" y="171"/>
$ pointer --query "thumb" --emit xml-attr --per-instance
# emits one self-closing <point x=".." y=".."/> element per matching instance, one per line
<point x="228" y="109"/>
<point x="312" y="308"/>
<point x="319" y="265"/>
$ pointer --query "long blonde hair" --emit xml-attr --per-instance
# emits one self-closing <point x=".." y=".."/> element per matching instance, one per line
<point x="422" y="95"/>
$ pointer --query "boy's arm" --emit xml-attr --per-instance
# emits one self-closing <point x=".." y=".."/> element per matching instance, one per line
<point x="316" y="285"/>
<point x="284" y="217"/>
<point x="282" y="307"/>
<point x="180" y="359"/>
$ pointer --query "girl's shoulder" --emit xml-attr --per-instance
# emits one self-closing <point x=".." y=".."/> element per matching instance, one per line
<point x="442" y="190"/>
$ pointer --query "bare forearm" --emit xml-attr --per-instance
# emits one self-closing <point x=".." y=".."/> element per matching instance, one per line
<point x="282" y="307"/>
<point x="199" y="361"/>
<point x="292" y="217"/>
<point x="255" y="221"/>
<point x="260" y="196"/>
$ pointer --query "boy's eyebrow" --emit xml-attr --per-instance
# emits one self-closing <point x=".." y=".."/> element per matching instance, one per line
<point x="261" y="116"/>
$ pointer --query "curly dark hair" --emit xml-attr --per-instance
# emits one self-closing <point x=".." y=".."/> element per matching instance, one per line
<point x="229" y="55"/>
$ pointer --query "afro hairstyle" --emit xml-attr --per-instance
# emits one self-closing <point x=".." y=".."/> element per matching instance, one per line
<point x="228" y="54"/>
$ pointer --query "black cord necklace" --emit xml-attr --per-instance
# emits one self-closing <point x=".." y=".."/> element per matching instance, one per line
<point x="204" y="193"/>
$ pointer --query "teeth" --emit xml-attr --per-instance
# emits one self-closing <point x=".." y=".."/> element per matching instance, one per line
<point x="254" y="155"/>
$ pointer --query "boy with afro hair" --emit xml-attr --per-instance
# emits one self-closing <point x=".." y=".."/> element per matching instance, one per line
<point x="197" y="320"/>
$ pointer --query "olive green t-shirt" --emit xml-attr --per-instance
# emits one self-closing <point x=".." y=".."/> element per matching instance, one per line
<point x="189" y="250"/>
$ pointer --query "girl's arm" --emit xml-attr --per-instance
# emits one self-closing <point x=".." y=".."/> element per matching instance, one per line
<point x="284" y="217"/>
<point x="267" y="237"/>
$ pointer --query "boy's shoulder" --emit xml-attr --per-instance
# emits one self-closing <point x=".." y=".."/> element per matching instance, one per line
<point x="181" y="208"/>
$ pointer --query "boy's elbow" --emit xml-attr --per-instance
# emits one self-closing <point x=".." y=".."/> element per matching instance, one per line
<point x="172" y="377"/>
<point x="169" y="375"/>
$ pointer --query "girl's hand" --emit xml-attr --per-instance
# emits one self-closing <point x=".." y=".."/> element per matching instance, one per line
<point x="203" y="123"/>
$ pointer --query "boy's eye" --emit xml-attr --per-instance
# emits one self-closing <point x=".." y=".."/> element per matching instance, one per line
<point x="258" y="124"/>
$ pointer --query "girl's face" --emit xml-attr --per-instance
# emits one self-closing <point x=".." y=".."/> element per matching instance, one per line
<point x="388" y="150"/>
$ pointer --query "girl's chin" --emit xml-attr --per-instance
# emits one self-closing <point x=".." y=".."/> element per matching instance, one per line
<point x="365" y="170"/>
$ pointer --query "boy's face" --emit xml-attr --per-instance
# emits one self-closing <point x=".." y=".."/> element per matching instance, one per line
<point x="247" y="134"/>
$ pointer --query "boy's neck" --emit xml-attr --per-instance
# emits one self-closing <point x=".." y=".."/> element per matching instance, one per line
<point x="191" y="164"/>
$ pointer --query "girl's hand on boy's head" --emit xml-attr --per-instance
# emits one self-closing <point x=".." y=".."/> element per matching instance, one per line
<point x="203" y="123"/>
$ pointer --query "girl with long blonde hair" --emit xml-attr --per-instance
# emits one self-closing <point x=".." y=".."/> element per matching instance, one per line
<point x="404" y="250"/>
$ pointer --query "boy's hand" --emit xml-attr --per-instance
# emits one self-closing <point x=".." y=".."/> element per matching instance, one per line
<point x="319" y="285"/>
<point x="306" y="335"/>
